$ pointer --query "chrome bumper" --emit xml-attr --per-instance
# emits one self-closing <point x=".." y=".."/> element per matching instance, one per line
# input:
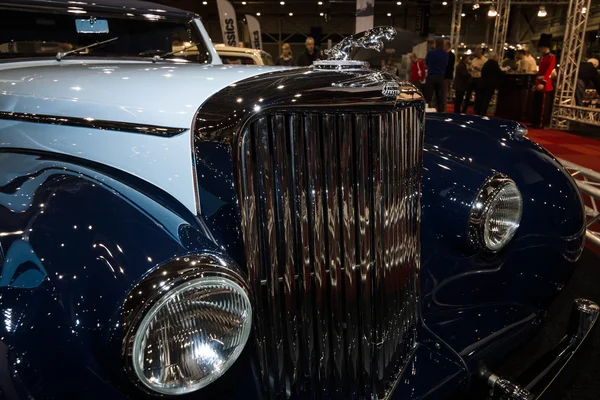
<point x="551" y="371"/>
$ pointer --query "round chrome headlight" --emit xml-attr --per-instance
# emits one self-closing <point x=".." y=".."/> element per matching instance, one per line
<point x="495" y="214"/>
<point x="191" y="335"/>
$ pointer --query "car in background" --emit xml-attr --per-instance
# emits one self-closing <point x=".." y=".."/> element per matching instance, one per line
<point x="243" y="56"/>
<point x="173" y="227"/>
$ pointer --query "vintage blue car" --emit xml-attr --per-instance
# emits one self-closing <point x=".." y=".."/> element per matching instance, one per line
<point x="174" y="227"/>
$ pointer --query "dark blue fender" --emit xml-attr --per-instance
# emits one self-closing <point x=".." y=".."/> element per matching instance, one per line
<point x="484" y="305"/>
<point x="74" y="240"/>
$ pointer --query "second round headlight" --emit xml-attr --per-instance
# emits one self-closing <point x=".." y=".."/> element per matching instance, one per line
<point x="495" y="214"/>
<point x="192" y="335"/>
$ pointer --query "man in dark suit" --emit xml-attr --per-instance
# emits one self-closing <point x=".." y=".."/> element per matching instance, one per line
<point x="449" y="75"/>
<point x="309" y="55"/>
<point x="461" y="82"/>
<point x="491" y="79"/>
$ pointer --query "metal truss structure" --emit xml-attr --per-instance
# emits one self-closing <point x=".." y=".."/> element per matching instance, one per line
<point x="583" y="115"/>
<point x="564" y="101"/>
<point x="588" y="182"/>
<point x="501" y="27"/>
<point x="455" y="27"/>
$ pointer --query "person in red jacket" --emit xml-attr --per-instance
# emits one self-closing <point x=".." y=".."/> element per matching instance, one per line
<point x="543" y="82"/>
<point x="417" y="71"/>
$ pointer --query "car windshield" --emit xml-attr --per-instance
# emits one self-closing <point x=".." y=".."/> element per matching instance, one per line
<point x="39" y="34"/>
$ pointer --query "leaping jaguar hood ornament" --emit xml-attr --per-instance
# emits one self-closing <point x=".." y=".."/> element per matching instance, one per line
<point x="339" y="55"/>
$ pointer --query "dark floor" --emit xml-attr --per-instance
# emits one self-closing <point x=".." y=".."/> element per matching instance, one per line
<point x="585" y="283"/>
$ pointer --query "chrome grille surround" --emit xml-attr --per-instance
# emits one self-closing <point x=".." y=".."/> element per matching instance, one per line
<point x="330" y="216"/>
<point x="326" y="177"/>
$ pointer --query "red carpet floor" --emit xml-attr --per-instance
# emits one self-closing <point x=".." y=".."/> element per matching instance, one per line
<point x="578" y="149"/>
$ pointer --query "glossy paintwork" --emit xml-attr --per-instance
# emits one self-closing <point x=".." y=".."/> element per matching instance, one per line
<point x="75" y="241"/>
<point x="481" y="304"/>
<point x="76" y="238"/>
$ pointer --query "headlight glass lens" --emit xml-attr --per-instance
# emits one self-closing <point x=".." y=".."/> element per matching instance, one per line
<point x="503" y="217"/>
<point x="192" y="335"/>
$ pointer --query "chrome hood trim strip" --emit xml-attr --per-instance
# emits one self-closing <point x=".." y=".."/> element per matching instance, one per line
<point x="155" y="130"/>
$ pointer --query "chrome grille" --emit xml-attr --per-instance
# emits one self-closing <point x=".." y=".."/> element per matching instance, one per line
<point x="330" y="206"/>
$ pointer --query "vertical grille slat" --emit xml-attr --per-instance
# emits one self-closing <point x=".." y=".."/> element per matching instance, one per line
<point x="319" y="254"/>
<point x="304" y="245"/>
<point x="364" y="211"/>
<point x="330" y="217"/>
<point x="348" y="224"/>
<point x="334" y="252"/>
<point x="287" y="229"/>
<point x="270" y="245"/>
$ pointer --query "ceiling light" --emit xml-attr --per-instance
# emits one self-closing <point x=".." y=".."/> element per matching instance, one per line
<point x="583" y="10"/>
<point x="492" y="13"/>
<point x="399" y="3"/>
<point x="291" y="14"/>
<point x="243" y="3"/>
<point x="205" y="2"/>
<point x="389" y="14"/>
<point x="542" y="12"/>
<point x="282" y="3"/>
<point x="463" y="15"/>
<point x="475" y="6"/>
<point x="320" y="3"/>
<point x="321" y="14"/>
<point x="444" y="3"/>
<point x="258" y="14"/>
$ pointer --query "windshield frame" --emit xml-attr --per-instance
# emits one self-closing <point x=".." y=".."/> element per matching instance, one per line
<point x="191" y="20"/>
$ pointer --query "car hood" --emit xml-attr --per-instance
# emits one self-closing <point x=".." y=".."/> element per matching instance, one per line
<point x="163" y="93"/>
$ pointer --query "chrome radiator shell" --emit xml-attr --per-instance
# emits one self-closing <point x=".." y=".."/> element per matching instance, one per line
<point x="330" y="216"/>
<point x="325" y="174"/>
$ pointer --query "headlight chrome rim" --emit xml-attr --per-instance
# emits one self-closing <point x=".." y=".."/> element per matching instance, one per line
<point x="161" y="286"/>
<point x="481" y="212"/>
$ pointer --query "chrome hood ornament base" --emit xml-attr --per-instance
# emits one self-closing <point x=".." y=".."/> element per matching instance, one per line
<point x="339" y="55"/>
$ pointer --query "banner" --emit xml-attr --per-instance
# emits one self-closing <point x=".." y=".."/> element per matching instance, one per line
<point x="254" y="29"/>
<point x="364" y="15"/>
<point x="228" y="23"/>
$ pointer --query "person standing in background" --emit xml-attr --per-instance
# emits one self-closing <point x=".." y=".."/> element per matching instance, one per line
<point x="286" y="58"/>
<point x="475" y="70"/>
<point x="449" y="75"/>
<point x="528" y="64"/>
<point x="436" y="61"/>
<point x="461" y="82"/>
<point x="310" y="54"/>
<point x="543" y="83"/>
<point x="588" y="76"/>
<point x="417" y="71"/>
<point x="491" y="79"/>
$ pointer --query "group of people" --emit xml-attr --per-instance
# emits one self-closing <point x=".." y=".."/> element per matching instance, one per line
<point x="480" y="75"/>
<point x="305" y="59"/>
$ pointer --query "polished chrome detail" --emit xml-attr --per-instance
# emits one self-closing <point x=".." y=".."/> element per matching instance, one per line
<point x="520" y="131"/>
<point x="159" y="284"/>
<point x="369" y="39"/>
<point x="481" y="207"/>
<point x="588" y="183"/>
<point x="586" y="306"/>
<point x="93" y="123"/>
<point x="503" y="387"/>
<point x="330" y="207"/>
<point x="340" y="65"/>
<point x="543" y="376"/>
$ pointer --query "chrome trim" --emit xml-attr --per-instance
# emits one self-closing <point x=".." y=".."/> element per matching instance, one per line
<point x="485" y="196"/>
<point x="309" y="182"/>
<point x="93" y="123"/>
<point x="544" y="378"/>
<point x="369" y="39"/>
<point x="306" y="211"/>
<point x="161" y="281"/>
